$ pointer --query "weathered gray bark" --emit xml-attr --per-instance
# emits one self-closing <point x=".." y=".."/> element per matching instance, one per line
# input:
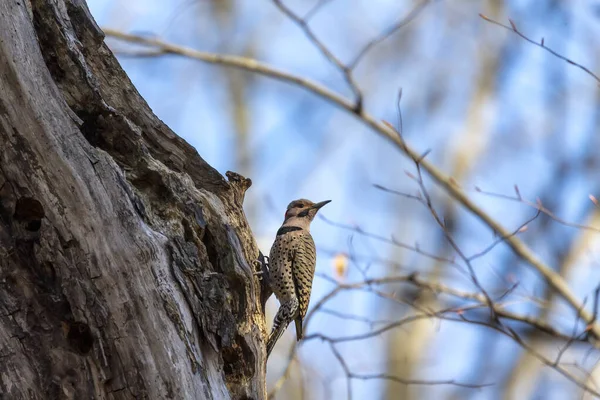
<point x="125" y="259"/>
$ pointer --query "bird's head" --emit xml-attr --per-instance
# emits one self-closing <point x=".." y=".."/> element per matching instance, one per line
<point x="303" y="210"/>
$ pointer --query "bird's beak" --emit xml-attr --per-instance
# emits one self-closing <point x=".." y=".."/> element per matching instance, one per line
<point x="319" y="205"/>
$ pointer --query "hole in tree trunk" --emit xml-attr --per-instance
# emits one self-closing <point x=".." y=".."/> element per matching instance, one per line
<point x="80" y="337"/>
<point x="30" y="212"/>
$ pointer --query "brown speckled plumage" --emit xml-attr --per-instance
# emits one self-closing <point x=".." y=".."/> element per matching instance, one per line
<point x="292" y="267"/>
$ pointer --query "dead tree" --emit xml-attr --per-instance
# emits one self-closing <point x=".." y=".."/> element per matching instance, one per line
<point x="126" y="261"/>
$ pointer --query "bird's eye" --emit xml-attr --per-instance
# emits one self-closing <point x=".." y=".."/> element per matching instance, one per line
<point x="300" y="206"/>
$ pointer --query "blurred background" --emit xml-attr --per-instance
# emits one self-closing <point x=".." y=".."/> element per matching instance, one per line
<point x="494" y="110"/>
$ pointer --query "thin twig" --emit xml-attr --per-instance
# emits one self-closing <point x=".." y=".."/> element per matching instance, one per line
<point x="392" y="240"/>
<point x="279" y="383"/>
<point x="541" y="44"/>
<point x="429" y="204"/>
<point x="314" y="10"/>
<point x="351" y="375"/>
<point x="342" y="362"/>
<point x="503" y="238"/>
<point x="402" y="22"/>
<point x="538" y="205"/>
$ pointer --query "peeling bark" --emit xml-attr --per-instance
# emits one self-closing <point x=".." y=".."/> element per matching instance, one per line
<point x="126" y="261"/>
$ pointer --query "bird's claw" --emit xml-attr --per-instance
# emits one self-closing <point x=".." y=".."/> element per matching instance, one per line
<point x="260" y="265"/>
<point x="257" y="269"/>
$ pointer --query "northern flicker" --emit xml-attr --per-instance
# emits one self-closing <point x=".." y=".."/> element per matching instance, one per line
<point x="292" y="266"/>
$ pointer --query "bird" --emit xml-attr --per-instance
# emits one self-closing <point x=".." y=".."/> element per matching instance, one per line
<point x="292" y="261"/>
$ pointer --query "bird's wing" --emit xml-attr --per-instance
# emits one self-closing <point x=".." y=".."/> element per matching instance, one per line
<point x="303" y="270"/>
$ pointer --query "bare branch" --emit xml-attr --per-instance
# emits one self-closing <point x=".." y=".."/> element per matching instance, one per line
<point x="347" y="72"/>
<point x="520" y="249"/>
<point x="433" y="287"/>
<point x="419" y="381"/>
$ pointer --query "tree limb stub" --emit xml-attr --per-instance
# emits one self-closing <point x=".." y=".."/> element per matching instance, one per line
<point x="239" y="186"/>
<point x="126" y="260"/>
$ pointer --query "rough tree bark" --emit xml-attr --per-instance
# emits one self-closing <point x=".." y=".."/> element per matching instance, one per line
<point x="125" y="259"/>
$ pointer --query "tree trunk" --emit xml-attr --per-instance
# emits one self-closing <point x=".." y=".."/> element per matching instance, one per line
<point x="126" y="262"/>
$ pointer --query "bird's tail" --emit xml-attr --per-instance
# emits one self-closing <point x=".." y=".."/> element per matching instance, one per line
<point x="284" y="316"/>
<point x="274" y="337"/>
<point x="299" y="332"/>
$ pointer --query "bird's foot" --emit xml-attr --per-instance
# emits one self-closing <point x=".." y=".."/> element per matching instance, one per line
<point x="258" y="270"/>
<point x="261" y="266"/>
